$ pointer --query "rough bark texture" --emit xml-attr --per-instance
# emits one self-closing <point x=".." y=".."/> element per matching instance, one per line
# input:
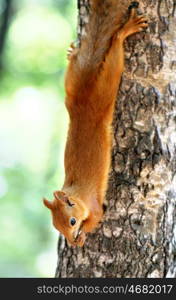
<point x="138" y="235"/>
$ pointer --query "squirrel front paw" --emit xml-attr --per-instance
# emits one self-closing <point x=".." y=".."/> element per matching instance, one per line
<point x="72" y="50"/>
<point x="81" y="239"/>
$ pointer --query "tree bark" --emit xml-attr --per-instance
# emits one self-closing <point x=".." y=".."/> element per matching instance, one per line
<point x="5" y="19"/>
<point x="137" y="237"/>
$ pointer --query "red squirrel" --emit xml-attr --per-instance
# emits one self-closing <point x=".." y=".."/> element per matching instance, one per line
<point x="92" y="80"/>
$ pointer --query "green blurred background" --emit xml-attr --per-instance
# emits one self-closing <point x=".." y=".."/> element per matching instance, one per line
<point x="34" y="36"/>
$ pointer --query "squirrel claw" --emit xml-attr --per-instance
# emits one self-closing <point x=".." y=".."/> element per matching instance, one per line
<point x="134" y="4"/>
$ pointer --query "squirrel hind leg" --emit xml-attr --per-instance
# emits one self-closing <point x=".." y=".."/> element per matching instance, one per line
<point x="136" y="23"/>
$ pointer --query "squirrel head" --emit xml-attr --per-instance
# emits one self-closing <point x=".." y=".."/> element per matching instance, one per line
<point x="68" y="215"/>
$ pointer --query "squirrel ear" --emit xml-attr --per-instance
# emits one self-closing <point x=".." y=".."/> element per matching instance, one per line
<point x="61" y="196"/>
<point x="48" y="204"/>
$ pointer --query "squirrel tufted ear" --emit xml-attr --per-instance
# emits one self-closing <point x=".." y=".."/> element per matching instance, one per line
<point x="48" y="204"/>
<point x="59" y="195"/>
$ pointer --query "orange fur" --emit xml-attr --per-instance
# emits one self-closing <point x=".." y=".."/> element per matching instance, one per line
<point x="91" y="84"/>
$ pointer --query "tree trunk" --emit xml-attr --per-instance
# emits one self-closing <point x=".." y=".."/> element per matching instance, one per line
<point x="137" y="237"/>
<point x="5" y="19"/>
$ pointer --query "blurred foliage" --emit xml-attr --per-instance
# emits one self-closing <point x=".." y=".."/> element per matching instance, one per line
<point x="33" y="127"/>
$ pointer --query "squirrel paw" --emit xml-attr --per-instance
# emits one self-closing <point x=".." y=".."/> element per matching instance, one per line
<point x="81" y="239"/>
<point x="136" y="23"/>
<point x="71" y="51"/>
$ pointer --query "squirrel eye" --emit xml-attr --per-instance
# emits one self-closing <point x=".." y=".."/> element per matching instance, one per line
<point x="72" y="221"/>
